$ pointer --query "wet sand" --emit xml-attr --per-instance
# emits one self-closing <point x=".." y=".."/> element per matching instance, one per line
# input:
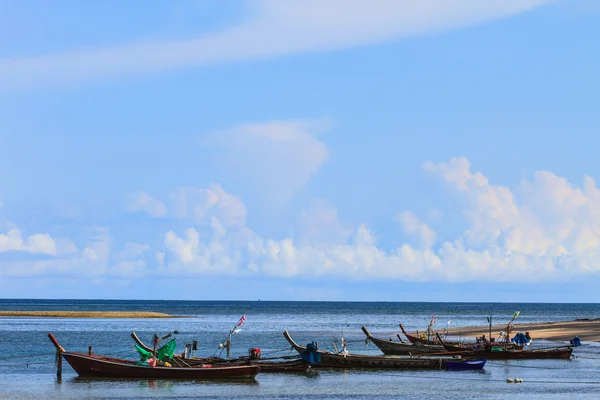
<point x="588" y="330"/>
<point x="86" y="314"/>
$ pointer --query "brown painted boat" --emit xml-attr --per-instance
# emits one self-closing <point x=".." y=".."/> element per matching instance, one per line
<point x="390" y="347"/>
<point x="295" y="365"/>
<point x="498" y="352"/>
<point x="415" y="339"/>
<point x="88" y="365"/>
<point x="326" y="359"/>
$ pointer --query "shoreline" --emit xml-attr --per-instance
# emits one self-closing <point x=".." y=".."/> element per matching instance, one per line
<point x="588" y="330"/>
<point x="87" y="314"/>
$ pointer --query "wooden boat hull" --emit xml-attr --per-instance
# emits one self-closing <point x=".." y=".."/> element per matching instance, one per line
<point x="294" y="366"/>
<point x="513" y="354"/>
<point x="352" y="361"/>
<point x="556" y="354"/>
<point x="402" y="349"/>
<point x="415" y="339"/>
<point x="465" y="365"/>
<point x="106" y="367"/>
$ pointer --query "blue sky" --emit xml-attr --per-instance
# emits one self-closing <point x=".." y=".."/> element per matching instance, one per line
<point x="337" y="150"/>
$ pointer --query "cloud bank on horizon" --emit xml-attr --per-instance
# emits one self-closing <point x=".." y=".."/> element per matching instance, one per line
<point x="275" y="28"/>
<point x="546" y="229"/>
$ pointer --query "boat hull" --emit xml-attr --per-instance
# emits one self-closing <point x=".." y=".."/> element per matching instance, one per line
<point x="402" y="349"/>
<point x="355" y="361"/>
<point x="106" y="367"/>
<point x="465" y="365"/>
<point x="296" y="366"/>
<point x="558" y="354"/>
<point x="513" y="354"/>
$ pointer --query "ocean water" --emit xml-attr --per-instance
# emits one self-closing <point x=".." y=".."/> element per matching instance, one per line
<point x="27" y="356"/>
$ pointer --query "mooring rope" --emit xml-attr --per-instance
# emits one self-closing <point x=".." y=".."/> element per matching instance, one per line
<point x="519" y="366"/>
<point x="27" y="364"/>
<point x="26" y="356"/>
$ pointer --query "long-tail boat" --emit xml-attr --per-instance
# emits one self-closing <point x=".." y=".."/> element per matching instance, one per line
<point x="390" y="347"/>
<point x="92" y="365"/>
<point x="499" y="352"/>
<point x="295" y="365"/>
<point x="327" y="359"/>
<point x="416" y="339"/>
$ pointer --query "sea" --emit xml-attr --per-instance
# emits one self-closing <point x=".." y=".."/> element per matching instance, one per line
<point x="27" y="358"/>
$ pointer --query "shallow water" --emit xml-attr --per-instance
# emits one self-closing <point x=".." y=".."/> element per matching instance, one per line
<point x="27" y="360"/>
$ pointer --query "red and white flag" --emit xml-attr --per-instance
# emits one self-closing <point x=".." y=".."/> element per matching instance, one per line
<point x="241" y="321"/>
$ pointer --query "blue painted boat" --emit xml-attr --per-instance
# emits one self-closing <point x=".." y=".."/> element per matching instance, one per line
<point x="464" y="365"/>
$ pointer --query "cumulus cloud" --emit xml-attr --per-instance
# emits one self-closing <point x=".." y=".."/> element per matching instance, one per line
<point x="545" y="229"/>
<point x="272" y="160"/>
<point x="201" y="204"/>
<point x="275" y="28"/>
<point x="193" y="203"/>
<point x="39" y="243"/>
<point x="414" y="226"/>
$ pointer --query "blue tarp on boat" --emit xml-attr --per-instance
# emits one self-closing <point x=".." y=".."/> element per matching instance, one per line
<point x="520" y="339"/>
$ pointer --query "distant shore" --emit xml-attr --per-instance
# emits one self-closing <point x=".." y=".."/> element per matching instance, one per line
<point x="86" y="314"/>
<point x="588" y="330"/>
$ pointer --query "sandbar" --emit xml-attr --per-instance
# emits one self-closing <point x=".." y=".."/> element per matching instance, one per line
<point x="588" y="330"/>
<point x="86" y="314"/>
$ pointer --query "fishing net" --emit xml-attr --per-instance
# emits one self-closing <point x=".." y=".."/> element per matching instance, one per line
<point x="164" y="353"/>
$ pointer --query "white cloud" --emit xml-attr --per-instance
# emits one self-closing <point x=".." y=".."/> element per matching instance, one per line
<point x="276" y="28"/>
<point x="201" y="205"/>
<point x="492" y="208"/>
<point x="196" y="204"/>
<point x="414" y="226"/>
<point x="142" y="201"/>
<point x="547" y="229"/>
<point x="39" y="243"/>
<point x="272" y="160"/>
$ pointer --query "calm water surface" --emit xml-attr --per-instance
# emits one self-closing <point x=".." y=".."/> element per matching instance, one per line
<point x="33" y="376"/>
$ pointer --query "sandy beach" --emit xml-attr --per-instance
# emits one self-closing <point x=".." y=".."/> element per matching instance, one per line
<point x="86" y="314"/>
<point x="587" y="329"/>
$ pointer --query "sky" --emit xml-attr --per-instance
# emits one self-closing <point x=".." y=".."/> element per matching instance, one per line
<point x="381" y="150"/>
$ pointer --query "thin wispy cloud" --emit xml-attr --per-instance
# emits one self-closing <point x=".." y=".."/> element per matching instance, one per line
<point x="276" y="28"/>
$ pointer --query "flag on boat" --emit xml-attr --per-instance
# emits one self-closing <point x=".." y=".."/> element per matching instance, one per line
<point x="241" y="321"/>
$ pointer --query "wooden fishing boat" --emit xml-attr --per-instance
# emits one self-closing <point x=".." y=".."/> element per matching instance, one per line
<point x="402" y="349"/>
<point x="88" y="365"/>
<point x="295" y="365"/>
<point x="326" y="359"/>
<point x="415" y="339"/>
<point x="499" y="352"/>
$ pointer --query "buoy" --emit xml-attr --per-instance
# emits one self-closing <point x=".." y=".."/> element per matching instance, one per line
<point x="510" y="380"/>
<point x="518" y="380"/>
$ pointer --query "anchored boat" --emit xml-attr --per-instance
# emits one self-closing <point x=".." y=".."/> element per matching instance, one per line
<point x="390" y="347"/>
<point x="326" y="359"/>
<point x="91" y="365"/>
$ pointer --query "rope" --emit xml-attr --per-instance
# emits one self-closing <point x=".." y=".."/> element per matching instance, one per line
<point x="520" y="366"/>
<point x="25" y="356"/>
<point x="27" y="364"/>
